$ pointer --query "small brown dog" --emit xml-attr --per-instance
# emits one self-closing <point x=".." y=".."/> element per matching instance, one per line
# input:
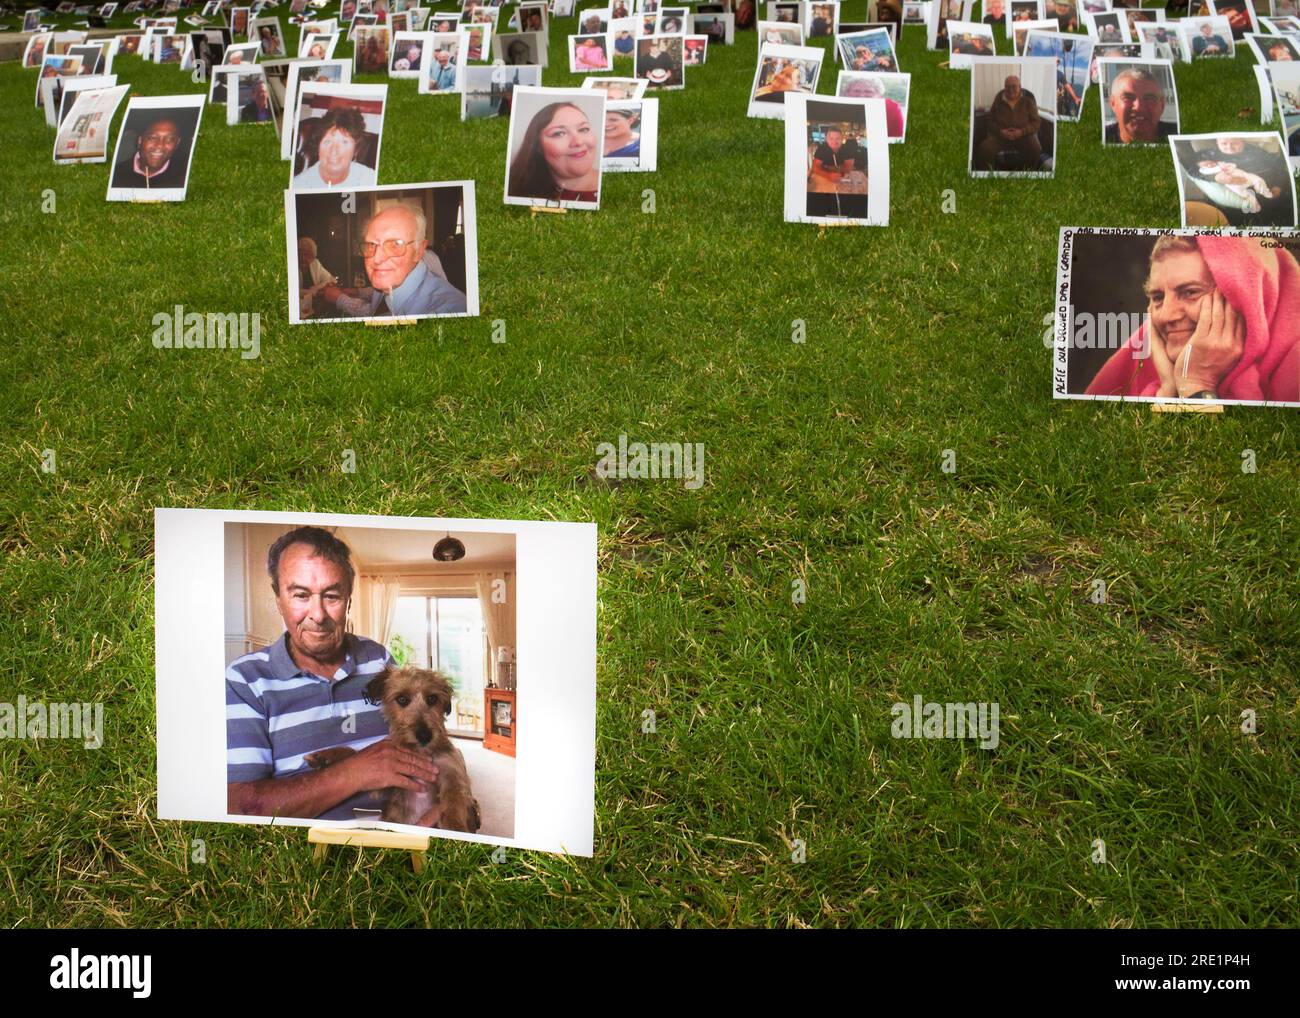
<point x="415" y="702"/>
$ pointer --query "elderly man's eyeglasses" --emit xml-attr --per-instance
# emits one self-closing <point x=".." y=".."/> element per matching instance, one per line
<point x="391" y="247"/>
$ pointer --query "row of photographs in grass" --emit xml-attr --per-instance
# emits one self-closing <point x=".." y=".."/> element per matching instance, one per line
<point x="333" y="137"/>
<point x="1186" y="40"/>
<point x="818" y="17"/>
<point x="337" y="132"/>
<point x="392" y="48"/>
<point x="1093" y="16"/>
<point x="1012" y="134"/>
<point x="834" y="168"/>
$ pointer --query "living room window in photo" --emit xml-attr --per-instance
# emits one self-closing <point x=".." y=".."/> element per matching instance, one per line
<point x="446" y="633"/>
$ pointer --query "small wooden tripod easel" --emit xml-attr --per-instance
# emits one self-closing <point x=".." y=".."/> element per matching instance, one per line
<point x="323" y="837"/>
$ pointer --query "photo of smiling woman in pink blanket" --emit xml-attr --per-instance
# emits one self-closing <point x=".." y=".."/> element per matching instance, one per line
<point x="1224" y="323"/>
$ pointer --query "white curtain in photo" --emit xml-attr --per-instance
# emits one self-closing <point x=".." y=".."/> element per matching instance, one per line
<point x="377" y="607"/>
<point x="498" y="613"/>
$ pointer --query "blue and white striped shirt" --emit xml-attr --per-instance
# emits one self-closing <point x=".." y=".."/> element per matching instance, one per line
<point x="277" y="713"/>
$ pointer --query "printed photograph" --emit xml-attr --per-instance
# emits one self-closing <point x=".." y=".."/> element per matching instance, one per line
<point x="669" y="22"/>
<point x="936" y="29"/>
<point x="34" y="51"/>
<point x="248" y="99"/>
<point x="695" y="50"/>
<point x="443" y="67"/>
<point x="1066" y="13"/>
<point x="785" y="12"/>
<point x="780" y="33"/>
<point x="1020" y="32"/>
<point x="307" y="72"/>
<point x="241" y="53"/>
<point x="1102" y="50"/>
<point x="1023" y="10"/>
<point x="916" y="13"/>
<point x="409" y="56"/>
<point x="892" y="88"/>
<point x="403" y="251"/>
<point x="337" y="134"/>
<point x="269" y="36"/>
<point x="631" y="136"/>
<point x="1206" y="38"/>
<point x="54" y="68"/>
<point x="387" y="672"/>
<point x="477" y="42"/>
<point x="618" y="88"/>
<point x="532" y="17"/>
<point x="370" y="50"/>
<point x="155" y="148"/>
<point x="1286" y="92"/>
<point x="867" y="51"/>
<point x="1011" y="134"/>
<point x="370" y="623"/>
<point x="208" y="49"/>
<point x="520" y="48"/>
<point x="277" y="81"/>
<point x="1073" y="56"/>
<point x="1273" y="49"/>
<point x="720" y="28"/>
<point x="169" y="49"/>
<point x="1156" y="315"/>
<point x="967" y="40"/>
<point x="554" y="153"/>
<point x="1109" y="26"/>
<point x="489" y="91"/>
<point x="836" y="161"/>
<point x="596" y="20"/>
<point x="660" y="60"/>
<point x="589" y="54"/>
<point x="622" y="32"/>
<point x="1164" y="41"/>
<point x="782" y="70"/>
<point x="69" y="88"/>
<point x="84" y="131"/>
<point x="1237" y="180"/>
<point x="1239" y="14"/>
<point x="1139" y="102"/>
<point x="821" y="20"/>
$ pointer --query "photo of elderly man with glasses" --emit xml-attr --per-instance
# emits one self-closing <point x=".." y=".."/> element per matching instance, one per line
<point x="405" y="279"/>
<point x="394" y="252"/>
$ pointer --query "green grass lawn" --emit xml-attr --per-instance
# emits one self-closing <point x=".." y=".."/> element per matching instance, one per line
<point x="1119" y="721"/>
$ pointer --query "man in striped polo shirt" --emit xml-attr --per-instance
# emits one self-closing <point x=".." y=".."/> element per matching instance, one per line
<point x="306" y="692"/>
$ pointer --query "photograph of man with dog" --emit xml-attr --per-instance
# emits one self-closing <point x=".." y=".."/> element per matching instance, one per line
<point x="372" y="695"/>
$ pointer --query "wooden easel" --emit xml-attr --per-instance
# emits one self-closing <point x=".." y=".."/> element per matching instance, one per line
<point x="823" y="227"/>
<point x="552" y="209"/>
<point x="1196" y="407"/>
<point x="323" y="837"/>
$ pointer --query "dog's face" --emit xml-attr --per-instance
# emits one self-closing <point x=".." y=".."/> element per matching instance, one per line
<point x="415" y="702"/>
